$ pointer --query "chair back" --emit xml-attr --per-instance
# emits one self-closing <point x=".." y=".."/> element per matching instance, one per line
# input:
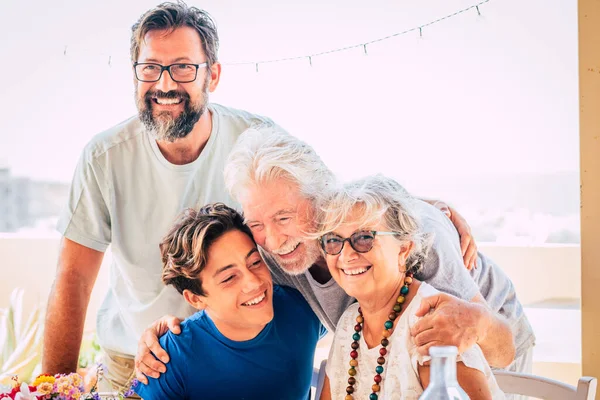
<point x="512" y="383"/>
<point x="545" y="388"/>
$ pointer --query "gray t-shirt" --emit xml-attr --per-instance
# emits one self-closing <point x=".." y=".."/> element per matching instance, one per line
<point x="498" y="290"/>
<point x="443" y="269"/>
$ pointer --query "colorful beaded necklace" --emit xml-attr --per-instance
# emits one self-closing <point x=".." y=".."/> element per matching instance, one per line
<point x="389" y="324"/>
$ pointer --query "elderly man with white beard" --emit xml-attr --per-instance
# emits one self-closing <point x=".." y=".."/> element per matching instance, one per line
<point x="278" y="178"/>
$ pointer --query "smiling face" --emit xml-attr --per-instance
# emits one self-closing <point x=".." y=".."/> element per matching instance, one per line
<point x="168" y="109"/>
<point x="366" y="276"/>
<point x="237" y="285"/>
<point x="278" y="216"/>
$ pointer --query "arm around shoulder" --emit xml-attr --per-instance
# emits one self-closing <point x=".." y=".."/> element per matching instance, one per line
<point x="460" y="323"/>
<point x="496" y="338"/>
<point x="172" y="384"/>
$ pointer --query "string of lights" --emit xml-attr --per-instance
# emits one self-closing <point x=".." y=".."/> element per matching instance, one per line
<point x="364" y="45"/>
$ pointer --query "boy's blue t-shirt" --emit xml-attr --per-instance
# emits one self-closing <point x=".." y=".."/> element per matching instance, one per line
<point x="276" y="364"/>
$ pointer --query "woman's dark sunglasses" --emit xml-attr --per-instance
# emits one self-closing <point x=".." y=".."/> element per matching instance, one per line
<point x="361" y="241"/>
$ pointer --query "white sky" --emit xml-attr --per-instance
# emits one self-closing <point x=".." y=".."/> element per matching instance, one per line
<point x="475" y="96"/>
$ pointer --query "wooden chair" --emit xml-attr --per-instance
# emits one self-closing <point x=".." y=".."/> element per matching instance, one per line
<point x="545" y="388"/>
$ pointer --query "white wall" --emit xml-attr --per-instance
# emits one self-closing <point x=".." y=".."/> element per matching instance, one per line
<point x="540" y="273"/>
<point x="30" y="263"/>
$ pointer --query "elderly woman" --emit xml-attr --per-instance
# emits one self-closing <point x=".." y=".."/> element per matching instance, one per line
<point x="373" y="246"/>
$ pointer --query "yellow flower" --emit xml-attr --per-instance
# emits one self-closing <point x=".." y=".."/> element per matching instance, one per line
<point x="43" y="379"/>
<point x="44" y="388"/>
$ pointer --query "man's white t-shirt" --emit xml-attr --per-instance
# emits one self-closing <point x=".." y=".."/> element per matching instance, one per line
<point x="126" y="194"/>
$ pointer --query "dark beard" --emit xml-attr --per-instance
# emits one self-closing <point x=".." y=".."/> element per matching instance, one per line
<point x="163" y="126"/>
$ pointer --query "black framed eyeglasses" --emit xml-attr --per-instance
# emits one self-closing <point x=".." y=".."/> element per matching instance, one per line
<point x="179" y="72"/>
<point x="361" y="241"/>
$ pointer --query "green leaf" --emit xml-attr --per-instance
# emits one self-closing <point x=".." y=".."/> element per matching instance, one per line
<point x="34" y="319"/>
<point x="24" y="348"/>
<point x="10" y="341"/>
<point x="16" y="303"/>
<point x="3" y="335"/>
<point x="20" y="346"/>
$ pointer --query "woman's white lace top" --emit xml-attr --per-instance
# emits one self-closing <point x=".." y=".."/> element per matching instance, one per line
<point x="400" y="374"/>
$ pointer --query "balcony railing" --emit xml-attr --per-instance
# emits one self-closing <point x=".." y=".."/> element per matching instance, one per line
<point x="547" y="279"/>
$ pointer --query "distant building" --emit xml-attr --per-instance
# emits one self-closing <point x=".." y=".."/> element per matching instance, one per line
<point x="23" y="202"/>
<point x="10" y="210"/>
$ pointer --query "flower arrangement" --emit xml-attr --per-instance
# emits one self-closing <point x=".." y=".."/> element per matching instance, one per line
<point x="58" y="387"/>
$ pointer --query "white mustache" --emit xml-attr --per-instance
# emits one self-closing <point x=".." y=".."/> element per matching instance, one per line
<point x="287" y="247"/>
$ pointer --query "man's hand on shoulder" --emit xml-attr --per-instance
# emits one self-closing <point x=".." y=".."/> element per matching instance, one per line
<point x="149" y="351"/>
<point x="449" y="321"/>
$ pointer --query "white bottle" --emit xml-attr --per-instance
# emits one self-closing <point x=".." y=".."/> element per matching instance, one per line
<point x="442" y="381"/>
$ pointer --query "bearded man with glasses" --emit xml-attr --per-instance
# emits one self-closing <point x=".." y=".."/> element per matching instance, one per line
<point x="130" y="184"/>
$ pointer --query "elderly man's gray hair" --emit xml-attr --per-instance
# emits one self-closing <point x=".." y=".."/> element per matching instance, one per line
<point x="264" y="154"/>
